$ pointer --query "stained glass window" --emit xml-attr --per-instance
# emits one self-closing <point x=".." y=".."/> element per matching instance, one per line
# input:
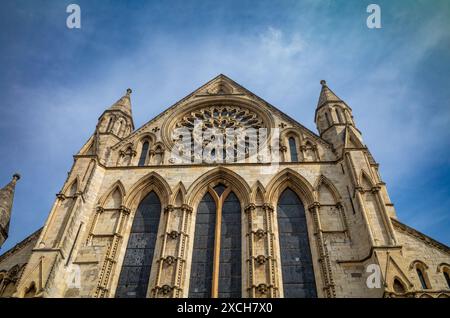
<point x="143" y="156"/>
<point x="447" y="278"/>
<point x="296" y="262"/>
<point x="230" y="249"/>
<point x="421" y="278"/>
<point x="203" y="253"/>
<point x="229" y="243"/>
<point x="293" y="149"/>
<point x="133" y="279"/>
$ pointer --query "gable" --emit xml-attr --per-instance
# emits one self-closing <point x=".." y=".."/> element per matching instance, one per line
<point x="223" y="93"/>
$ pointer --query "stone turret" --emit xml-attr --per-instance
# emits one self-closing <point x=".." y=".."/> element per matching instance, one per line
<point x="115" y="124"/>
<point x="6" y="202"/>
<point x="335" y="122"/>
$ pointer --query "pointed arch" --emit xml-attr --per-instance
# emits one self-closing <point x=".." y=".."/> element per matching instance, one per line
<point x="365" y="181"/>
<point x="393" y="271"/>
<point x="442" y="267"/>
<point x="222" y="88"/>
<point x="72" y="188"/>
<point x="31" y="291"/>
<point x="87" y="149"/>
<point x="294" y="245"/>
<point x="179" y="194"/>
<point x="323" y="181"/>
<point x="157" y="153"/>
<point x="128" y="146"/>
<point x="292" y="179"/>
<point x="258" y="193"/>
<point x="309" y="143"/>
<point x="138" y="260"/>
<point x="398" y="286"/>
<point x="117" y="186"/>
<point x="151" y="182"/>
<point x="158" y="145"/>
<point x="147" y="136"/>
<point x="351" y="140"/>
<point x="219" y="174"/>
<point x="421" y="273"/>
<point x="418" y="263"/>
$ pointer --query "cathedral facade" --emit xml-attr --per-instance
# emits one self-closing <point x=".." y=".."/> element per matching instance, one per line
<point x="163" y="211"/>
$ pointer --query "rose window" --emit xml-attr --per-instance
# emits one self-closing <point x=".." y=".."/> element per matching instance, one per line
<point x="237" y="127"/>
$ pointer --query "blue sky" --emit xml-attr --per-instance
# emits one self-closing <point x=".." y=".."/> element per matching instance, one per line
<point x="55" y="82"/>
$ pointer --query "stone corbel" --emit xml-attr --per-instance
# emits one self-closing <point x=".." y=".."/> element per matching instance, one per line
<point x="312" y="207"/>
<point x="61" y="196"/>
<point x="261" y="259"/>
<point x="125" y="210"/>
<point x="186" y="208"/>
<point x="169" y="260"/>
<point x="260" y="233"/>
<point x="359" y="189"/>
<point x="268" y="207"/>
<point x="173" y="235"/>
<point x="166" y="289"/>
<point x="79" y="194"/>
<point x="249" y="208"/>
<point x="169" y="208"/>
<point x="375" y="189"/>
<point x="262" y="289"/>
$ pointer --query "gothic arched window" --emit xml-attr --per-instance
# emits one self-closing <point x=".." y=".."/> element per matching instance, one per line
<point x="137" y="263"/>
<point x="230" y="249"/>
<point x="339" y="117"/>
<point x="447" y="278"/>
<point x="398" y="286"/>
<point x="423" y="282"/>
<point x="296" y="261"/>
<point x="203" y="253"/>
<point x="328" y="119"/>
<point x="144" y="152"/>
<point x="293" y="149"/>
<point x="216" y="260"/>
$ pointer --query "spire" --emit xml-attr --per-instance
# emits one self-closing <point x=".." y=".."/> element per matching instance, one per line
<point x="6" y="202"/>
<point x="326" y="95"/>
<point x="124" y="103"/>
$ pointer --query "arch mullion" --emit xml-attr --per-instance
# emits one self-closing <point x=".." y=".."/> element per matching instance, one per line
<point x="217" y="237"/>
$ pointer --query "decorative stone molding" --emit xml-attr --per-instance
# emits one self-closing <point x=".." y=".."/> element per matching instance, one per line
<point x="186" y="208"/>
<point x="165" y="289"/>
<point x="174" y="235"/>
<point x="261" y="259"/>
<point x="169" y="208"/>
<point x="260" y="233"/>
<point x="249" y="208"/>
<point x="262" y="289"/>
<point x="61" y="196"/>
<point x="169" y="260"/>
<point x="375" y="189"/>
